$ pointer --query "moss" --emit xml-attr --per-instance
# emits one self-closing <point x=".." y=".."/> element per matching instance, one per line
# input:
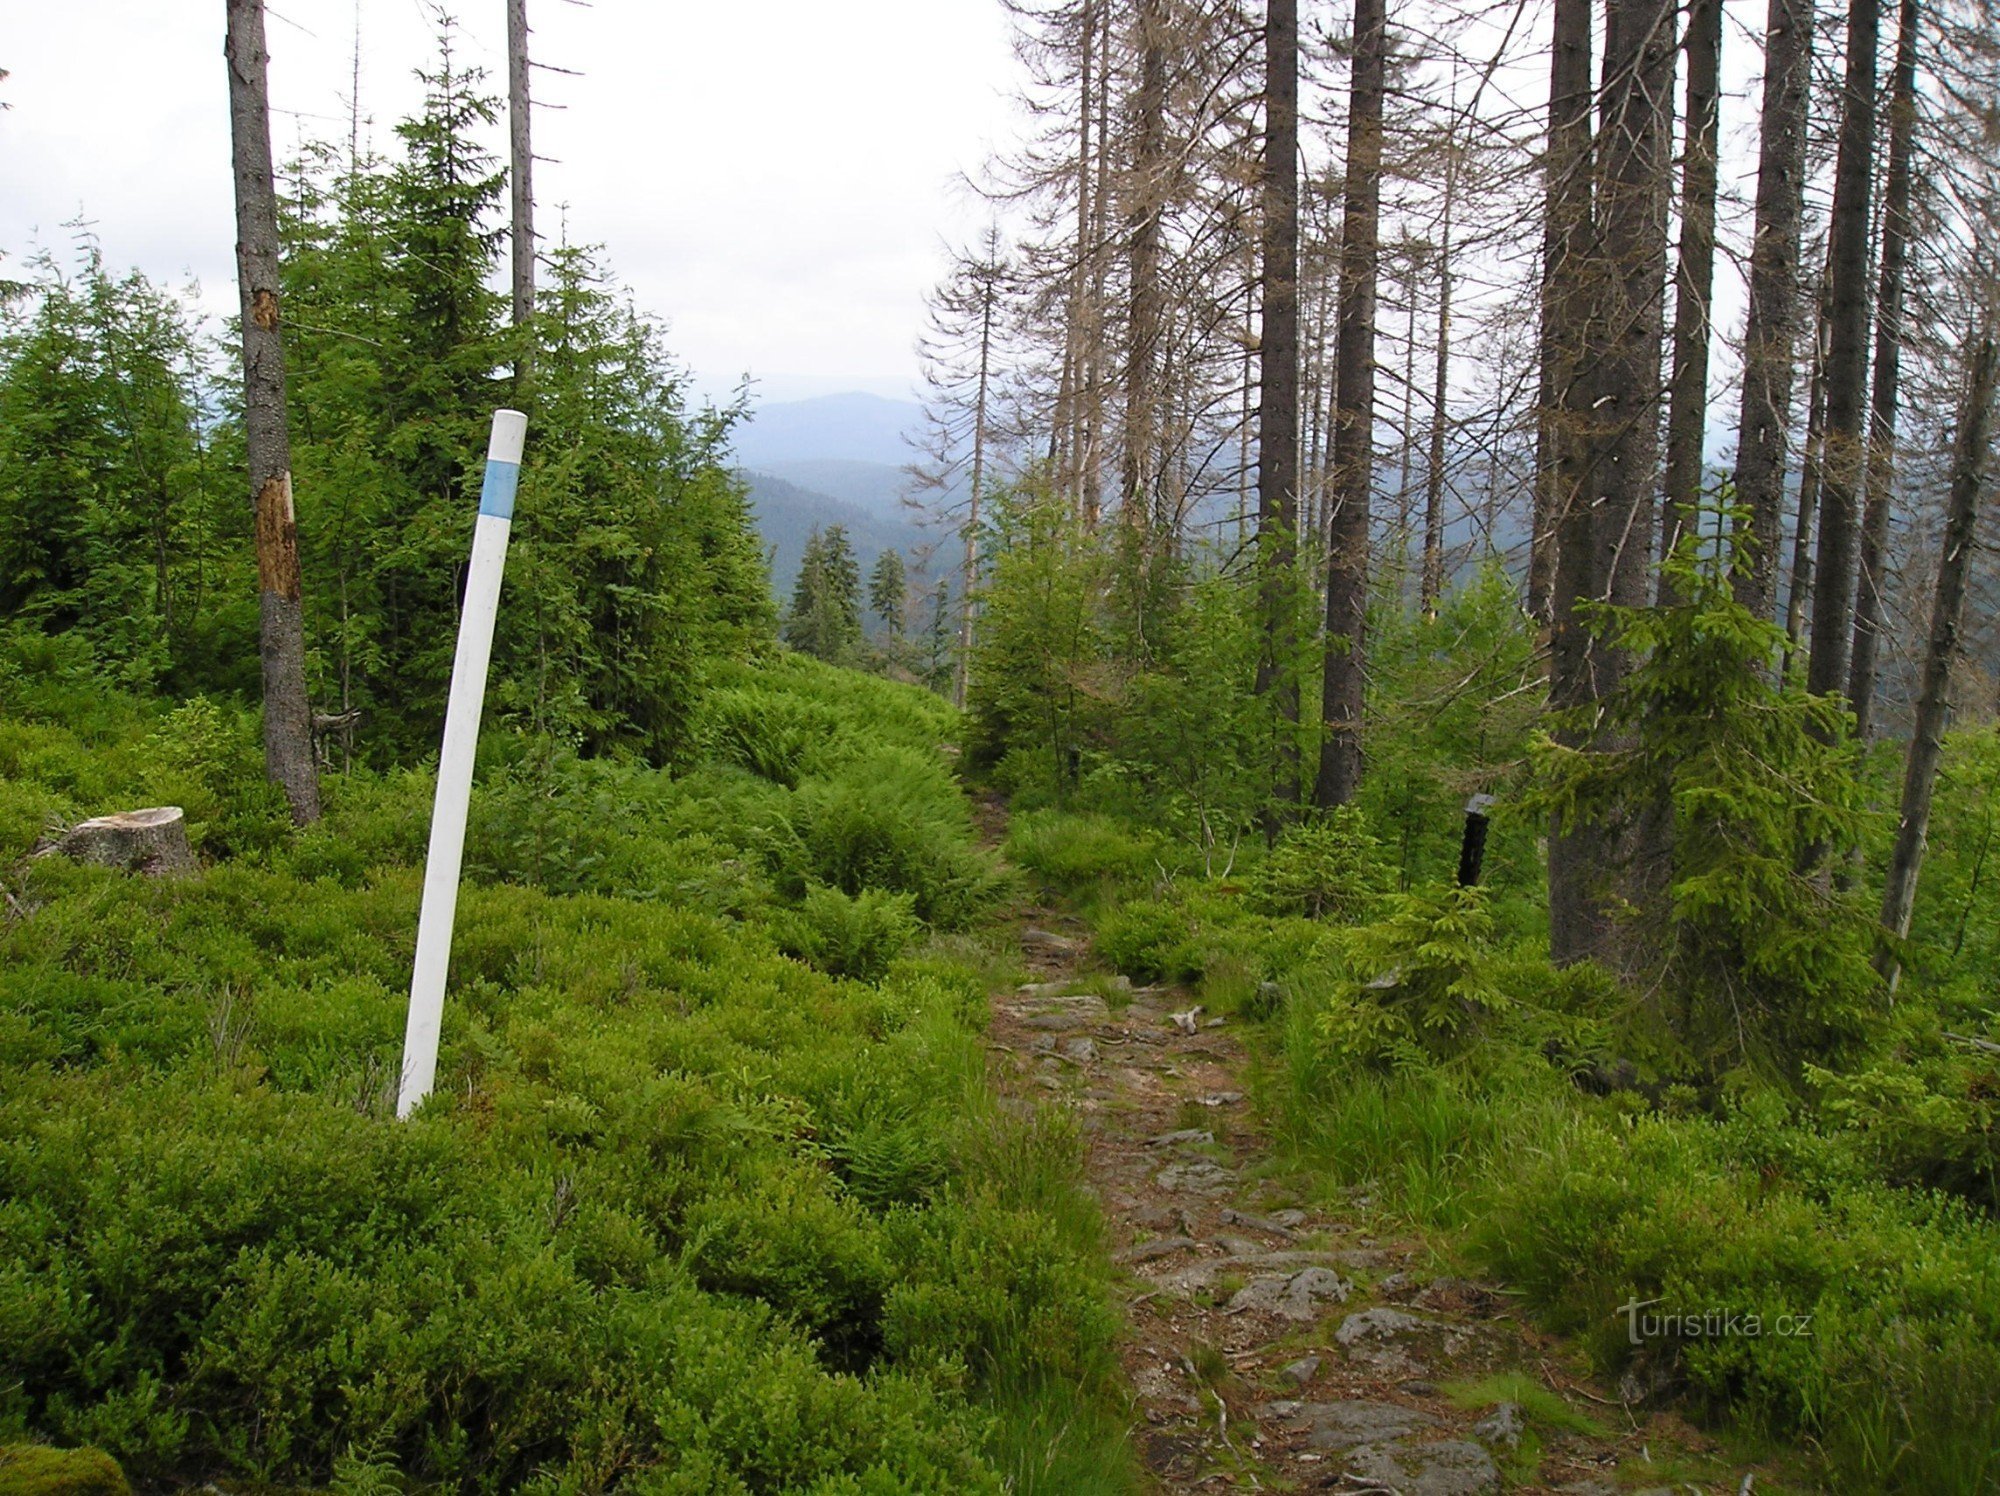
<point x="36" y="1470"/>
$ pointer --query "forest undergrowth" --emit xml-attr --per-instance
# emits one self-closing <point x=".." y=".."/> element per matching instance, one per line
<point x="713" y="1195"/>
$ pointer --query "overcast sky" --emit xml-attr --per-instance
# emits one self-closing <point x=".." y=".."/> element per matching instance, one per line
<point x="773" y="177"/>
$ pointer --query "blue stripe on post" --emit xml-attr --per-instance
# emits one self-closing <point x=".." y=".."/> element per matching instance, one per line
<point x="497" y="496"/>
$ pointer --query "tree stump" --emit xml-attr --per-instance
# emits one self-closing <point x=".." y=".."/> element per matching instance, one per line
<point x="153" y="842"/>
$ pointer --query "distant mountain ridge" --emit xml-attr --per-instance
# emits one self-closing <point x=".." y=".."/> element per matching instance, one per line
<point x="832" y="460"/>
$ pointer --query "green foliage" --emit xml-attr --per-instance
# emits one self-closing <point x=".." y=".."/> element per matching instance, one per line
<point x="1927" y="1111"/>
<point x="891" y="820"/>
<point x="683" y="1213"/>
<point x="207" y="758"/>
<point x="850" y="935"/>
<point x="824" y="620"/>
<point x="1749" y="788"/>
<point x="1417" y="986"/>
<point x="1452" y="702"/>
<point x="888" y="591"/>
<point x="632" y="567"/>
<point x="1325" y="868"/>
<point x="37" y="1470"/>
<point x="1150" y="940"/>
<point x="1075" y="852"/>
<point x="119" y="526"/>
<point x="1038" y="648"/>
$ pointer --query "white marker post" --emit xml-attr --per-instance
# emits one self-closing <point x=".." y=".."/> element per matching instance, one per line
<point x="461" y="737"/>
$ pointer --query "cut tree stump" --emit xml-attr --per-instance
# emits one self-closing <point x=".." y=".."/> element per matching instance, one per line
<point x="153" y="842"/>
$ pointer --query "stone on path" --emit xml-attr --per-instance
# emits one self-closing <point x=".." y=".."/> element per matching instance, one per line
<point x="1200" y="1177"/>
<point x="1047" y="943"/>
<point x="1151" y="1251"/>
<point x="1502" y="1427"/>
<point x="1343" y="1425"/>
<point x="1301" y="1371"/>
<point x="1381" y="1338"/>
<point x="1449" y="1468"/>
<point x="1295" y="1296"/>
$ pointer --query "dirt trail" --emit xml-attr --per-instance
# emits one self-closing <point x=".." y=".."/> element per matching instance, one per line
<point x="1270" y="1346"/>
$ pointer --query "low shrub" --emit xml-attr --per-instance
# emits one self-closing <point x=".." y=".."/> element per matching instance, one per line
<point x="1074" y="853"/>
<point x="849" y="935"/>
<point x="1328" y="868"/>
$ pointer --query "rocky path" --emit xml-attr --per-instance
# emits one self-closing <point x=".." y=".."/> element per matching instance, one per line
<point x="1274" y="1346"/>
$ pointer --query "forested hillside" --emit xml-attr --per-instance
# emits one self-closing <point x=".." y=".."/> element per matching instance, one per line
<point x="1399" y="897"/>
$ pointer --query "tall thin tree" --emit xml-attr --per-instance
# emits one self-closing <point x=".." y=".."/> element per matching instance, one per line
<point x="1694" y="283"/>
<point x="288" y="744"/>
<point x="1771" y="330"/>
<point x="1559" y="514"/>
<point x="1278" y="399"/>
<point x="1970" y="452"/>
<point x="1842" y="447"/>
<point x="1885" y="392"/>
<point x="521" y="180"/>
<point x="1340" y="760"/>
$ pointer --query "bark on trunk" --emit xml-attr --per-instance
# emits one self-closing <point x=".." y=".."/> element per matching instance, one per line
<point x="1343" y="675"/>
<point x="1278" y="400"/>
<point x="969" y="578"/>
<point x="288" y="745"/>
<point x="1886" y="391"/>
<point x="1566" y="244"/>
<point x="1770" y="333"/>
<point x="1694" y="281"/>
<point x="1800" y="589"/>
<point x="1947" y="616"/>
<point x="1842" y="449"/>
<point x="1146" y="184"/>
<point x="521" y="180"/>
<point x="1431" y="585"/>
<point x="1623" y="280"/>
<point x="1562" y="527"/>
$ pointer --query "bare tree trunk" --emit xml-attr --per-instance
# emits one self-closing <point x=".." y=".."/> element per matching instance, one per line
<point x="1841" y="450"/>
<point x="1340" y="760"/>
<point x="1562" y="551"/>
<point x="1809" y="460"/>
<point x="1886" y="392"/>
<point x="1566" y="248"/>
<point x="1947" y="616"/>
<point x="1278" y="400"/>
<point x="1095" y="350"/>
<point x="1146" y="184"/>
<point x="1694" y="283"/>
<point x="1431" y="584"/>
<point x="1623" y="279"/>
<point x="1770" y="334"/>
<point x="969" y="579"/>
<point x="288" y="745"/>
<point x="521" y="181"/>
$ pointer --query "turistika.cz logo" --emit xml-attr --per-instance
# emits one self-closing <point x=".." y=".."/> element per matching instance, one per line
<point x="1707" y="1324"/>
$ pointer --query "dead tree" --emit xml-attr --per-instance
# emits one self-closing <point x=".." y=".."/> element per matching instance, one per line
<point x="1278" y="400"/>
<point x="1885" y="391"/>
<point x="1694" y="284"/>
<point x="1770" y="333"/>
<point x="521" y="181"/>
<point x="288" y="745"/>
<point x="1920" y="767"/>
<point x="1841" y="451"/>
<point x="1354" y="420"/>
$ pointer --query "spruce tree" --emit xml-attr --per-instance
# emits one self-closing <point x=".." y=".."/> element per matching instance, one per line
<point x="888" y="588"/>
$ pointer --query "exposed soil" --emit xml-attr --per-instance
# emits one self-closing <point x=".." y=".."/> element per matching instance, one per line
<point x="1272" y="1344"/>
